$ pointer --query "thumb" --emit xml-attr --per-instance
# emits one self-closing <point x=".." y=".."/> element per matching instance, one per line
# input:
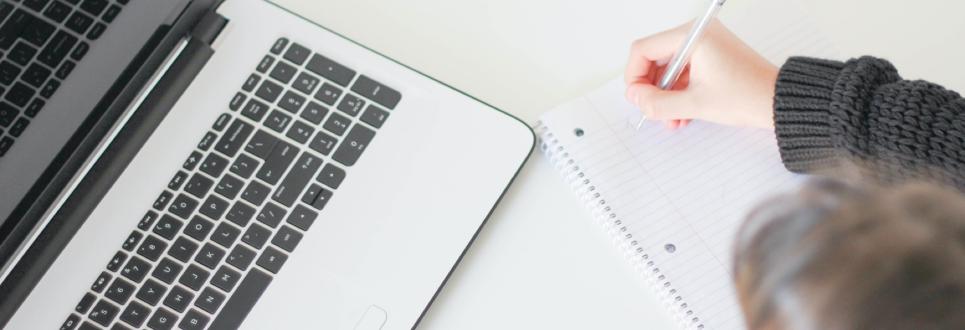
<point x="658" y="104"/>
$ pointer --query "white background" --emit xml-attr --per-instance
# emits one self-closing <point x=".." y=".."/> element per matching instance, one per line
<point x="540" y="263"/>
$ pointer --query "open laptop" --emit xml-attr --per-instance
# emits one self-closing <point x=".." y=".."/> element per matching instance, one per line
<point x="205" y="164"/>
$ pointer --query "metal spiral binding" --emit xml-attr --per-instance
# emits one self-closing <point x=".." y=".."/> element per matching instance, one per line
<point x="605" y="216"/>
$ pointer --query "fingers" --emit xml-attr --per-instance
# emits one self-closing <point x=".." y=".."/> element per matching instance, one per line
<point x="659" y="104"/>
<point x="656" y="48"/>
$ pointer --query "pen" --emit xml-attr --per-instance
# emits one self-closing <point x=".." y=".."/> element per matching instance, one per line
<point x="680" y="59"/>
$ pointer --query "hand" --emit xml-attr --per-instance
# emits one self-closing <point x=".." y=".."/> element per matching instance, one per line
<point x="726" y="81"/>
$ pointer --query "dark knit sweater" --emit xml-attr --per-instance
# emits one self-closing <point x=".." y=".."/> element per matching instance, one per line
<point x="862" y="110"/>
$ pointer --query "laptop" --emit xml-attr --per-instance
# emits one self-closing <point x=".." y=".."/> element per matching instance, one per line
<point x="205" y="164"/>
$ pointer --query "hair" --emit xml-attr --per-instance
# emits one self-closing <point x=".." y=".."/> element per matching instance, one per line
<point x="840" y="255"/>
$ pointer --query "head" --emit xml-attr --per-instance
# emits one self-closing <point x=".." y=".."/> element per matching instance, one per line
<point x="845" y="256"/>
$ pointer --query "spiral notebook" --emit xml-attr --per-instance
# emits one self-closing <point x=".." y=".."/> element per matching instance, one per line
<point x="672" y="200"/>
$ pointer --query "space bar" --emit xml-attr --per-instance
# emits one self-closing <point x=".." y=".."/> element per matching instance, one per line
<point x="241" y="302"/>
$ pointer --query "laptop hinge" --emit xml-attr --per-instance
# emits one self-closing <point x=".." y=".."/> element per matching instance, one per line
<point x="209" y="27"/>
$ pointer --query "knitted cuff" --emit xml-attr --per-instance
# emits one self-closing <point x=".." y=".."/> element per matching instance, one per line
<point x="802" y="101"/>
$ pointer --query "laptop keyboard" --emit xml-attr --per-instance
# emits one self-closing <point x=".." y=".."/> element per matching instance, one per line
<point x="241" y="202"/>
<point x="40" y="44"/>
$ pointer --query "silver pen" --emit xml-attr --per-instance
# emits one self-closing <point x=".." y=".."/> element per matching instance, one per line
<point x="682" y="57"/>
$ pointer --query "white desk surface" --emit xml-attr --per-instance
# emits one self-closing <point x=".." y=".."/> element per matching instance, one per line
<point x="540" y="263"/>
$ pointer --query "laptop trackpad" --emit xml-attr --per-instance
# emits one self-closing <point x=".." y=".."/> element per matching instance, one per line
<point x="373" y="319"/>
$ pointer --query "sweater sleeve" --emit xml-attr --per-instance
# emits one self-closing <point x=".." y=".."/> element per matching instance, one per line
<point x="863" y="111"/>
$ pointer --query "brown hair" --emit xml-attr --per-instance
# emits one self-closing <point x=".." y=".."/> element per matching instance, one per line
<point x="838" y="255"/>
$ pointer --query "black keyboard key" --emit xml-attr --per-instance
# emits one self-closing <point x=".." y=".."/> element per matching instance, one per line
<point x="194" y="277"/>
<point x="375" y="91"/>
<point x="11" y="29"/>
<point x="5" y="9"/>
<point x="5" y="143"/>
<point x="135" y="236"/>
<point x="85" y="303"/>
<point x="279" y="46"/>
<point x="94" y="7"/>
<point x="374" y="116"/>
<point x="222" y="122"/>
<point x="240" y="214"/>
<point x="103" y="313"/>
<point x="300" y="132"/>
<point x="269" y="91"/>
<point x="311" y="194"/>
<point x="162" y="320"/>
<point x="7" y="114"/>
<point x="242" y="301"/>
<point x="261" y="144"/>
<point x="111" y="13"/>
<point x="271" y="215"/>
<point x="37" y="104"/>
<point x="237" y="101"/>
<point x="184" y="205"/>
<point x="192" y="161"/>
<point x="193" y="320"/>
<point x="331" y="176"/>
<point x="337" y="124"/>
<point x="120" y="291"/>
<point x="278" y="121"/>
<point x="323" y="143"/>
<point x="72" y="320"/>
<point x="305" y="83"/>
<point x="151" y="292"/>
<point x="136" y="269"/>
<point x="328" y="94"/>
<point x="116" y="262"/>
<point x="251" y="82"/>
<point x="278" y="161"/>
<point x="256" y="236"/>
<point x="199" y="185"/>
<point x="283" y="72"/>
<point x="57" y="11"/>
<point x="331" y="70"/>
<point x="255" y="110"/>
<point x="255" y="193"/>
<point x="214" y="207"/>
<point x="225" y="234"/>
<point x="198" y="228"/>
<point x="36" y="5"/>
<point x="37" y="32"/>
<point x="211" y="255"/>
<point x="101" y="282"/>
<point x="65" y="69"/>
<point x="234" y="138"/>
<point x="183" y="248"/>
<point x="80" y="51"/>
<point x="214" y="165"/>
<point x="8" y="72"/>
<point x="168" y="226"/>
<point x="135" y="314"/>
<point x="351" y="105"/>
<point x="355" y="143"/>
<point x="320" y="200"/>
<point x="58" y="48"/>
<point x="151" y="248"/>
<point x="22" y="53"/>
<point x="241" y="257"/>
<point x="314" y="113"/>
<point x="20" y="94"/>
<point x="286" y="238"/>
<point x="265" y="63"/>
<point x="297" y="178"/>
<point x="178" y="299"/>
<point x="18" y="127"/>
<point x="167" y="271"/>
<point x="302" y="217"/>
<point x="297" y="54"/>
<point x="178" y="180"/>
<point x="272" y="259"/>
<point x="210" y="299"/>
<point x="226" y="278"/>
<point x="229" y="187"/>
<point x="292" y="102"/>
<point x="207" y="141"/>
